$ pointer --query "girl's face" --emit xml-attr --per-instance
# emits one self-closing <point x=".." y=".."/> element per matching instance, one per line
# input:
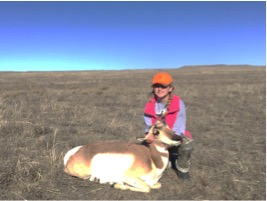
<point x="162" y="92"/>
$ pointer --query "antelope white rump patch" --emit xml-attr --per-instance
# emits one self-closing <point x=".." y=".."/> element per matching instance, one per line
<point x="70" y="153"/>
<point x="110" y="167"/>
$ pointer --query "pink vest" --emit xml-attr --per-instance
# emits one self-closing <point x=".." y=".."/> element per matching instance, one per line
<point x="171" y="114"/>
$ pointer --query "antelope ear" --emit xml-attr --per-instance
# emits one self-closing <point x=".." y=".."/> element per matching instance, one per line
<point x="176" y="137"/>
<point x="148" y="137"/>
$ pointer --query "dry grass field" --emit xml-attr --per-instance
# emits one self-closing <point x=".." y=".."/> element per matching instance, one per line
<point x="44" y="114"/>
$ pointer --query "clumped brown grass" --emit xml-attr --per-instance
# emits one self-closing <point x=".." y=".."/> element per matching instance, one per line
<point x="43" y="115"/>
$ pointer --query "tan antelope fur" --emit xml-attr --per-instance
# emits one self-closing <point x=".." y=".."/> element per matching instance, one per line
<point x="136" y="167"/>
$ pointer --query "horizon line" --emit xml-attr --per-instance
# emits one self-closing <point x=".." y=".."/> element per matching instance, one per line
<point x="155" y="68"/>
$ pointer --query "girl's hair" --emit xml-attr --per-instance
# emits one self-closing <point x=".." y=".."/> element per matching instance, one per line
<point x="152" y="94"/>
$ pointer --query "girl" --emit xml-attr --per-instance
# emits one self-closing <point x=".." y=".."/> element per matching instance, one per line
<point x="169" y="108"/>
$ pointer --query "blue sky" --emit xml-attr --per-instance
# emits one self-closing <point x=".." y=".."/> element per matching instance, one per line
<point x="97" y="35"/>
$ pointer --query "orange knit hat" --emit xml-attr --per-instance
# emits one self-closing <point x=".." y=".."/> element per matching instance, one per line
<point x="162" y="78"/>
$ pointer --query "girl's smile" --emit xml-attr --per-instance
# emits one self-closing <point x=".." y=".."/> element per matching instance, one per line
<point x="162" y="92"/>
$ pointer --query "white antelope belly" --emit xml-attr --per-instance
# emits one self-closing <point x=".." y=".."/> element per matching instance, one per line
<point x="110" y="168"/>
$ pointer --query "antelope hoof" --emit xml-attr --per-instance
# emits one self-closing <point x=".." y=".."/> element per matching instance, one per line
<point x="156" y="186"/>
<point x="121" y="186"/>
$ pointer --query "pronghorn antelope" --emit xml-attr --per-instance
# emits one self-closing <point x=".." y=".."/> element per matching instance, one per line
<point x="136" y="167"/>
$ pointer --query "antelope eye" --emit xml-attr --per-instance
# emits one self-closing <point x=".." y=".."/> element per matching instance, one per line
<point x="156" y="133"/>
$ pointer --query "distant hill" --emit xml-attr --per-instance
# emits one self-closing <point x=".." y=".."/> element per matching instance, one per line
<point x="223" y="65"/>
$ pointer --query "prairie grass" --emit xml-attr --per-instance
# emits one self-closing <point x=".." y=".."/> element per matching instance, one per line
<point x="44" y="114"/>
